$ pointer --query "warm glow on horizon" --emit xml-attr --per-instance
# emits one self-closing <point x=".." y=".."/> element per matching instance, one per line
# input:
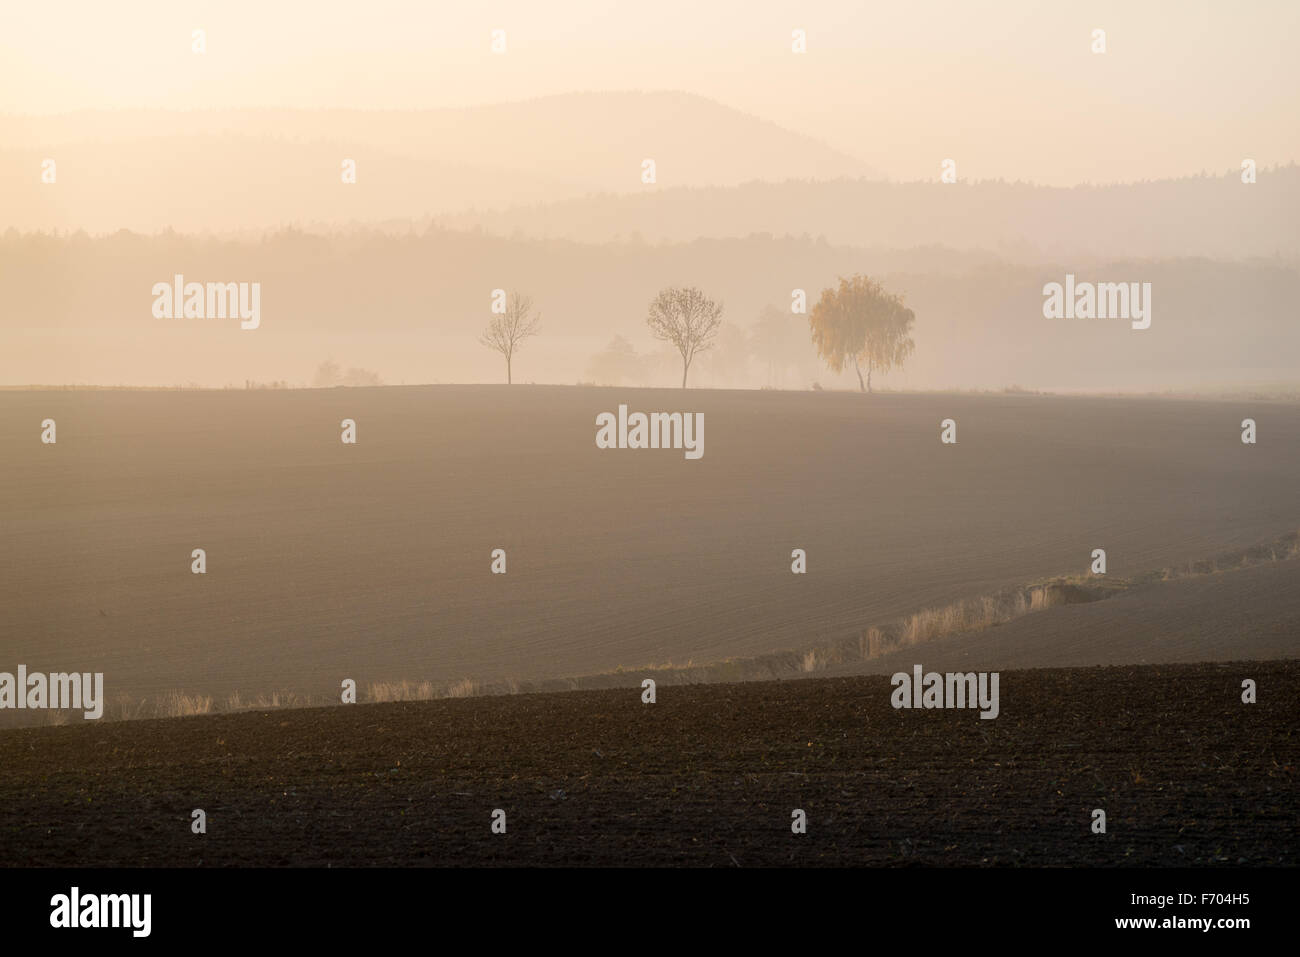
<point x="1013" y="90"/>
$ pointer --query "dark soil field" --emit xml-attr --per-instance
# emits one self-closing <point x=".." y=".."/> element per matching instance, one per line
<point x="709" y="775"/>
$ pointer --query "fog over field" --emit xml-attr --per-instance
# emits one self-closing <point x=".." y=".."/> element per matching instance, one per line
<point x="327" y="561"/>
<point x="410" y="309"/>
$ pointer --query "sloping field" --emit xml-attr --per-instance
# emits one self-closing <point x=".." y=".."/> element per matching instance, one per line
<point x="371" y="561"/>
<point x="709" y="775"/>
<point x="1244" y="613"/>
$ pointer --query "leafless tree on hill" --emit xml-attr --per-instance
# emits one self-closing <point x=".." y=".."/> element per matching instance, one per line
<point x="688" y="319"/>
<point x="508" y="329"/>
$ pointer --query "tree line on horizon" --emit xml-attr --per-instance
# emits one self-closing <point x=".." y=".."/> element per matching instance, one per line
<point x="857" y="324"/>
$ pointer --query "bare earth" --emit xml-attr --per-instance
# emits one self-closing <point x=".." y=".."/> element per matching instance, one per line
<point x="708" y="776"/>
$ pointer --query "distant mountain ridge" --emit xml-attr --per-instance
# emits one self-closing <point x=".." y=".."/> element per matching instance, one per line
<point x="200" y="170"/>
<point x="1215" y="216"/>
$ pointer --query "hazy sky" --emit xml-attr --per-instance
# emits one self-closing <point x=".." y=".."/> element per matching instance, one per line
<point x="1006" y="89"/>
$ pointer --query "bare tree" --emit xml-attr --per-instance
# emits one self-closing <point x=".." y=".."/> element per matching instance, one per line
<point x="508" y="329"/>
<point x="688" y="319"/>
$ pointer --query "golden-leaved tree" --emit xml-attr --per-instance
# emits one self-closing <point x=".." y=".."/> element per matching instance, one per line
<point x="860" y="323"/>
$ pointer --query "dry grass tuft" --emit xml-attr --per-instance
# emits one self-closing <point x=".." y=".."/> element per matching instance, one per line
<point x="400" y="691"/>
<point x="178" y="704"/>
<point x="464" y="688"/>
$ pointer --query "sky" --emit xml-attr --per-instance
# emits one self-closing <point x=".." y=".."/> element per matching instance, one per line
<point x="1007" y="90"/>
